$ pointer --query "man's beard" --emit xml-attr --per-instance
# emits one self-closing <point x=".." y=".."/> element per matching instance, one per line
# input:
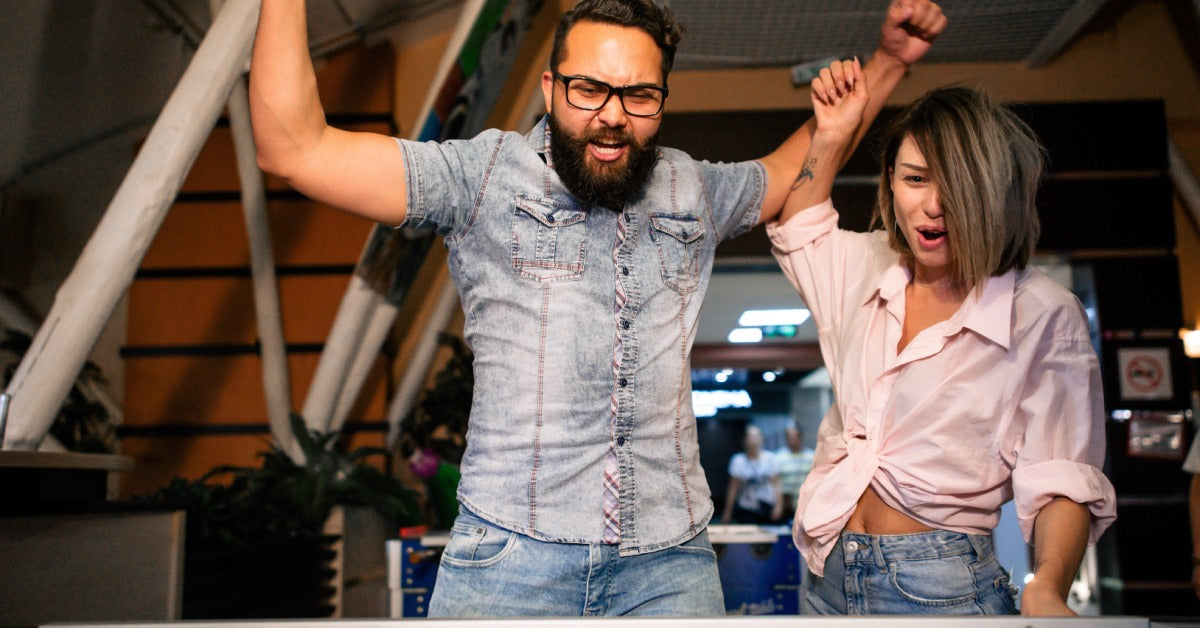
<point x="606" y="184"/>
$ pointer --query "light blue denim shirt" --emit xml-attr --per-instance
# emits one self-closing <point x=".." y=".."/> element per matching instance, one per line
<point x="536" y="273"/>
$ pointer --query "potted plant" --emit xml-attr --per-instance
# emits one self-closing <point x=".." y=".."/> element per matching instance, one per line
<point x="433" y="434"/>
<point x="255" y="546"/>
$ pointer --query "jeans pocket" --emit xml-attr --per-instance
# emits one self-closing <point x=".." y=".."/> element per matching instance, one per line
<point x="699" y="544"/>
<point x="679" y="238"/>
<point x="945" y="581"/>
<point x="476" y="544"/>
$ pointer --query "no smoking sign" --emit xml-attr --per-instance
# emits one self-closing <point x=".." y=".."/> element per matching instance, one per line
<point x="1145" y="373"/>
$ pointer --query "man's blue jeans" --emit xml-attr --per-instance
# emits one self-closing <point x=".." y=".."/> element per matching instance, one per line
<point x="487" y="571"/>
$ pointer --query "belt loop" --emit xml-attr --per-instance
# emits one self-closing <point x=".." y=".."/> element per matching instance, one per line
<point x="877" y="553"/>
<point x="982" y="544"/>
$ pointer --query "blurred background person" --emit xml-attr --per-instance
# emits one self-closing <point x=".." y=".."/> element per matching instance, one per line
<point x="793" y="462"/>
<point x="753" y="492"/>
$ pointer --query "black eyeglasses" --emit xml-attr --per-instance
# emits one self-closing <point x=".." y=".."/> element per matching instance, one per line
<point x="589" y="94"/>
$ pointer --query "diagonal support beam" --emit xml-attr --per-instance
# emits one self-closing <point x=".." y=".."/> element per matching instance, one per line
<point x="1186" y="16"/>
<point x="272" y="346"/>
<point x="108" y="262"/>
<point x="1063" y="32"/>
<point x="1184" y="179"/>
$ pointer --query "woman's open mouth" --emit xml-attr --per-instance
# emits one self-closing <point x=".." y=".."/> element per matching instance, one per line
<point x="931" y="237"/>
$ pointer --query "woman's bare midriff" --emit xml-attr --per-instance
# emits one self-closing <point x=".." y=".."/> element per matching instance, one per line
<point x="873" y="516"/>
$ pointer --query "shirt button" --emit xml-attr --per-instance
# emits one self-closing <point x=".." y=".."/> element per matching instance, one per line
<point x="624" y="270"/>
<point x="851" y="546"/>
<point x="620" y="440"/>
<point x="625" y="324"/>
<point x="622" y="382"/>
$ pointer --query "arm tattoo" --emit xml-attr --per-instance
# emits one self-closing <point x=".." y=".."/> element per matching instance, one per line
<point x="806" y="172"/>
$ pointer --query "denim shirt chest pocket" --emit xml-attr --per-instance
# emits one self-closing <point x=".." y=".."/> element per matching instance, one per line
<point x="548" y="239"/>
<point x="679" y="239"/>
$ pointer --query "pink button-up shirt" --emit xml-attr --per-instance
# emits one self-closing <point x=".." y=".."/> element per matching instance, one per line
<point x="1001" y="401"/>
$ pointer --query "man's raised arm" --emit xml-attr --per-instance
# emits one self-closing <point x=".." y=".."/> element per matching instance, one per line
<point x="362" y="173"/>
<point x="908" y="31"/>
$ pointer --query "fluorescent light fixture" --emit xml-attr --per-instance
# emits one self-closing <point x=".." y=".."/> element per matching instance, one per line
<point x="707" y="402"/>
<point x="764" y="318"/>
<point x="746" y="335"/>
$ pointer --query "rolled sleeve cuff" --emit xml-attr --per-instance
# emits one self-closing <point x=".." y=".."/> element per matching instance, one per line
<point x="415" y="214"/>
<point x="1035" y="485"/>
<point x="801" y="229"/>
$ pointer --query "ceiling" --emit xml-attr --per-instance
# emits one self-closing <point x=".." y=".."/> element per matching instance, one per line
<point x="83" y="81"/>
<point x="76" y="73"/>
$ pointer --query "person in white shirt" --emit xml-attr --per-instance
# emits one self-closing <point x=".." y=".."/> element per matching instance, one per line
<point x="753" y="492"/>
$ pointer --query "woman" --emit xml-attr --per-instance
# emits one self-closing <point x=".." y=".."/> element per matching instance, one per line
<point x="963" y="378"/>
<point x="752" y="495"/>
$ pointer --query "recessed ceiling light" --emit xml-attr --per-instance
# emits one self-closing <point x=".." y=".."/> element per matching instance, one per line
<point x="763" y="318"/>
<point x="746" y="334"/>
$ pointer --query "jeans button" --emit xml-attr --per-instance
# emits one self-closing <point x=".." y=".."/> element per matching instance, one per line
<point x="852" y="546"/>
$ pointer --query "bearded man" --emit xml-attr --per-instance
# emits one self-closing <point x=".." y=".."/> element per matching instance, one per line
<point x="581" y="252"/>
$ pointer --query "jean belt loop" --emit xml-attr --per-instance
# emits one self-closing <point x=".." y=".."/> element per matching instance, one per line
<point x="877" y="552"/>
<point x="982" y="544"/>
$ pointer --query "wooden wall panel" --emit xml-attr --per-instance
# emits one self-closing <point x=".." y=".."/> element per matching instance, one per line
<point x="357" y="80"/>
<point x="157" y="460"/>
<point x="305" y="233"/>
<point x="310" y="304"/>
<point x="200" y="235"/>
<point x="215" y="167"/>
<point x="191" y="390"/>
<point x="190" y="312"/>
<point x="194" y="395"/>
<point x="220" y="310"/>
<point x="213" y="235"/>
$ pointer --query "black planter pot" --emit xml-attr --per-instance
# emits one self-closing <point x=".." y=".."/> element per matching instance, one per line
<point x="285" y="578"/>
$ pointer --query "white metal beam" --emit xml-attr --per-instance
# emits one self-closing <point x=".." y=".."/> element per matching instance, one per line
<point x="1068" y="26"/>
<point x="272" y="346"/>
<point x="106" y="267"/>
<point x="1184" y="179"/>
<point x="342" y="347"/>
<point x="422" y="357"/>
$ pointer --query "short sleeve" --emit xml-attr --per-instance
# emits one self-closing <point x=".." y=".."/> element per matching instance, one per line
<point x="735" y="193"/>
<point x="1062" y="410"/>
<point x="444" y="179"/>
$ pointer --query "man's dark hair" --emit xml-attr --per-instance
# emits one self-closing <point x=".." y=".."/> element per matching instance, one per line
<point x="654" y="19"/>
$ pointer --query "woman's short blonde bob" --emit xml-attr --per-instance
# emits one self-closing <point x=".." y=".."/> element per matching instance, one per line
<point x="986" y="164"/>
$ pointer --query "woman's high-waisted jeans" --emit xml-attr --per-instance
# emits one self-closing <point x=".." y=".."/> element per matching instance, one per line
<point x="932" y="573"/>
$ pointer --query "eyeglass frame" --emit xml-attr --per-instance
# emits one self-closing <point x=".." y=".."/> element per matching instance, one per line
<point x="612" y="89"/>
